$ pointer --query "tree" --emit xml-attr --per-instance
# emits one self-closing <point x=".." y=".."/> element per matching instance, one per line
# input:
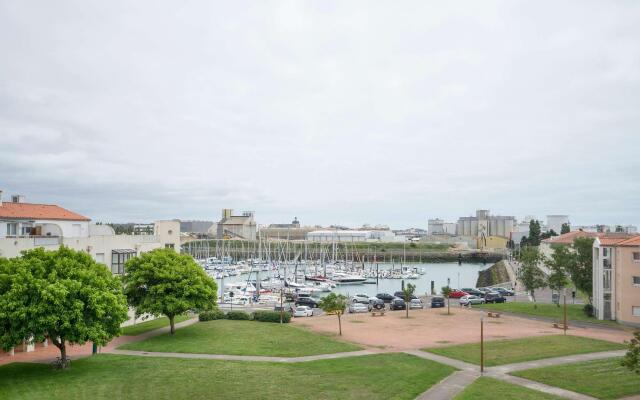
<point x="581" y="270"/>
<point x="632" y="359"/>
<point x="446" y="292"/>
<point x="560" y="262"/>
<point x="548" y="234"/>
<point x="566" y="228"/>
<point x="334" y="304"/>
<point x="530" y="275"/>
<point x="165" y="282"/>
<point x="534" y="233"/>
<point x="407" y="293"/>
<point x="63" y="296"/>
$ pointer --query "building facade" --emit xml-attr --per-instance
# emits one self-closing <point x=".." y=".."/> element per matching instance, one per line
<point x="237" y="226"/>
<point x="332" y="236"/>
<point x="484" y="224"/>
<point x="555" y="222"/>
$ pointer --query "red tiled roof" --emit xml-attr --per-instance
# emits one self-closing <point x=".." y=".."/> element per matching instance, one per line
<point x="38" y="211"/>
<point x="567" y="238"/>
<point x="634" y="241"/>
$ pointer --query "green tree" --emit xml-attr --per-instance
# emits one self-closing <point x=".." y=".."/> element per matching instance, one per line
<point x="63" y="296"/>
<point x="581" y="270"/>
<point x="534" y="233"/>
<point x="446" y="292"/>
<point x="559" y="263"/>
<point x="531" y="276"/>
<point x="165" y="282"/>
<point x="632" y="359"/>
<point x="566" y="228"/>
<point x="334" y="304"/>
<point x="407" y="293"/>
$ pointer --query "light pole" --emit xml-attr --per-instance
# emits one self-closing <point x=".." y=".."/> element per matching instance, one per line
<point x="564" y="327"/>
<point x="481" y="345"/>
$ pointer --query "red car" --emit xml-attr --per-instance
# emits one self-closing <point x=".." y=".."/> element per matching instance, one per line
<point x="457" y="293"/>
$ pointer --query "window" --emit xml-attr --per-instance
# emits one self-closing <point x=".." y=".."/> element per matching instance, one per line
<point x="635" y="311"/>
<point x="636" y="280"/>
<point x="119" y="258"/>
<point x="169" y="246"/>
<point x="12" y="228"/>
<point x="636" y="256"/>
<point x="605" y="252"/>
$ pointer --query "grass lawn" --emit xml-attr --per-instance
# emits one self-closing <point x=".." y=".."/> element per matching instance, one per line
<point x="499" y="352"/>
<point x="574" y="311"/>
<point x="490" y="389"/>
<point x="604" y="379"/>
<point x="147" y="326"/>
<point x="249" y="338"/>
<point x="110" y="377"/>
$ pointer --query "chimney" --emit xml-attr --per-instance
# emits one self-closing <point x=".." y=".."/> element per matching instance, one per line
<point x="17" y="198"/>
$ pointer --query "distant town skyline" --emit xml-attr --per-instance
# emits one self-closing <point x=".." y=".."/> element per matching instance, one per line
<point x="335" y="112"/>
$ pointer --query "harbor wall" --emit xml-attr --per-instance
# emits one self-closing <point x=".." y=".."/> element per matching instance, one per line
<point x="494" y="275"/>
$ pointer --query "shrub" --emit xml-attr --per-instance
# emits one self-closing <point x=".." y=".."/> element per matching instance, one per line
<point x="271" y="316"/>
<point x="239" y="315"/>
<point x="210" y="315"/>
<point x="588" y="310"/>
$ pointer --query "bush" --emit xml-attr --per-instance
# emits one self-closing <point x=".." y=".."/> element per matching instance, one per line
<point x="239" y="315"/>
<point x="211" y="315"/>
<point x="588" y="310"/>
<point x="271" y="316"/>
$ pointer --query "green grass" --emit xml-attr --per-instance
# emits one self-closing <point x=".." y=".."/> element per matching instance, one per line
<point x="147" y="326"/>
<point x="500" y="352"/>
<point x="243" y="338"/>
<point x="490" y="389"/>
<point x="110" y="377"/>
<point x="574" y="311"/>
<point x="604" y="379"/>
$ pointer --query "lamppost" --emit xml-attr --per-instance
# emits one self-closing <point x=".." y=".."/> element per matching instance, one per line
<point x="564" y="325"/>
<point x="481" y="344"/>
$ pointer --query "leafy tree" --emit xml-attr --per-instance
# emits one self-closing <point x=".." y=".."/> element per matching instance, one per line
<point x="63" y="296"/>
<point x="534" y="233"/>
<point x="566" y="228"/>
<point x="334" y="304"/>
<point x="581" y="270"/>
<point x="446" y="292"/>
<point x="547" y="235"/>
<point x="559" y="263"/>
<point x="530" y="275"/>
<point x="632" y="359"/>
<point x="165" y="282"/>
<point x="407" y="292"/>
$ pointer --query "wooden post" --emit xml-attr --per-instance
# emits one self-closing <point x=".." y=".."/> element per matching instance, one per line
<point x="481" y="344"/>
<point x="564" y="327"/>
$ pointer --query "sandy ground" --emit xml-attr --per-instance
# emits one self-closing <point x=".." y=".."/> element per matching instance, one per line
<point x="432" y="328"/>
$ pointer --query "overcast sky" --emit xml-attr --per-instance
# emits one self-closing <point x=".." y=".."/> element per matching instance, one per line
<point x="337" y="112"/>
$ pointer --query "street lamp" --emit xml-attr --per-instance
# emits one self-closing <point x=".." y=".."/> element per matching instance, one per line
<point x="481" y="344"/>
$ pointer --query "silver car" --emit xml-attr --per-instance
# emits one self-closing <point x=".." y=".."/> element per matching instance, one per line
<point x="415" y="303"/>
<point x="358" y="308"/>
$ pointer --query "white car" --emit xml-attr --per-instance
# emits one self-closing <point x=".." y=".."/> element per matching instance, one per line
<point x="358" y="308"/>
<point x="303" y="311"/>
<point x="470" y="299"/>
<point x="415" y="303"/>
<point x="360" y="298"/>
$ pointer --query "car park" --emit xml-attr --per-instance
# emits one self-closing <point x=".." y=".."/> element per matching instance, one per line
<point x="397" y="304"/>
<point x="415" y="304"/>
<point x="457" y="293"/>
<point x="386" y="297"/>
<point x="503" y="291"/>
<point x="470" y="300"/>
<point x="494" y="297"/>
<point x="437" y="302"/>
<point x="303" y="311"/>
<point x="307" y="301"/>
<point x="358" y="308"/>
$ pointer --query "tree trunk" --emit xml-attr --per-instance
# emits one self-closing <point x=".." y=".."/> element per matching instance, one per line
<point x="60" y="344"/>
<point x="339" y="325"/>
<point x="407" y="307"/>
<point x="533" y="296"/>
<point x="172" y="323"/>
<point x="448" y="308"/>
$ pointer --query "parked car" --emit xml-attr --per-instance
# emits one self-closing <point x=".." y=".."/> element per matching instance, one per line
<point x="494" y="297"/>
<point x="307" y="301"/>
<point x="376" y="304"/>
<point x="474" y="292"/>
<point x="415" y="303"/>
<point x="386" y="297"/>
<point x="437" y="302"/>
<point x="457" y="293"/>
<point x="360" y="298"/>
<point x="401" y="295"/>
<point x="471" y="299"/>
<point x="503" y="291"/>
<point x="397" y="304"/>
<point x="358" y="308"/>
<point x="303" y="311"/>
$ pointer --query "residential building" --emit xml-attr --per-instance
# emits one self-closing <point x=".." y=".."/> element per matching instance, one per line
<point x="483" y="225"/>
<point x="198" y="227"/>
<point x="616" y="278"/>
<point x="237" y="226"/>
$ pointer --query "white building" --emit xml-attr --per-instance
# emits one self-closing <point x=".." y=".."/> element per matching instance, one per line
<point x="350" y="236"/>
<point x="236" y="226"/>
<point x="440" y="227"/>
<point x="484" y="225"/>
<point x="555" y="222"/>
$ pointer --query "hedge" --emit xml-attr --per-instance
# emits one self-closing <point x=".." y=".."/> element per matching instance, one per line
<point x="271" y="316"/>
<point x="211" y="315"/>
<point x="239" y="315"/>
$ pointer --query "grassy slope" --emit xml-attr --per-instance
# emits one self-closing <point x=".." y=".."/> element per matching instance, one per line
<point x="492" y="389"/>
<point x="147" y="326"/>
<point x="385" y="376"/>
<point x="243" y="338"/>
<point x="499" y="352"/>
<point x="574" y="311"/>
<point x="604" y="379"/>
